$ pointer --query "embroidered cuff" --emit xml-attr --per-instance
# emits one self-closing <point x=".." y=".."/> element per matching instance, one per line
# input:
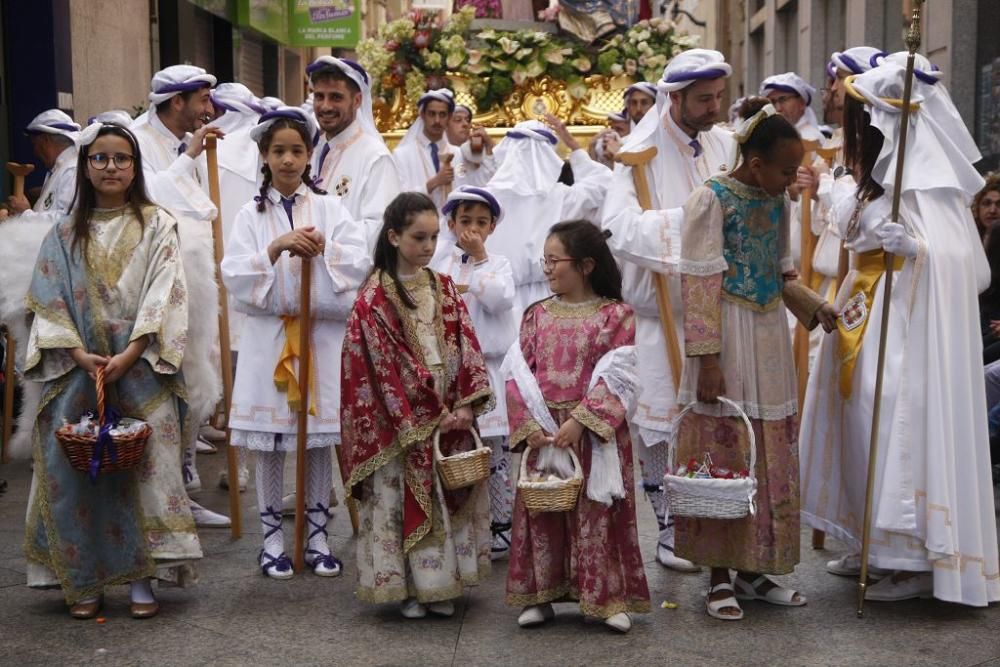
<point x="517" y="438"/>
<point x="708" y="267"/>
<point x="592" y="422"/>
<point x="702" y="348"/>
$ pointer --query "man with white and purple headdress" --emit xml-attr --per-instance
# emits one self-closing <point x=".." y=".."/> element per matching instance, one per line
<point x="690" y="148"/>
<point x="171" y="139"/>
<point x="53" y="137"/>
<point x="639" y="98"/>
<point x="791" y="96"/>
<point x="350" y="159"/>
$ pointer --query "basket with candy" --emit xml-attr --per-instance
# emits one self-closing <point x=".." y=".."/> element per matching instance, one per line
<point x="706" y="491"/>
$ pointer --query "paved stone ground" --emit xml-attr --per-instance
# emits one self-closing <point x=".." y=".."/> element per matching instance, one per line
<point x="235" y="616"/>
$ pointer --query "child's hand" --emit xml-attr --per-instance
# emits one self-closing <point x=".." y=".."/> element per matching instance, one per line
<point x="472" y="243"/>
<point x="827" y="316"/>
<point x="117" y="366"/>
<point x="538" y="439"/>
<point x="87" y="361"/>
<point x="306" y="242"/>
<point x="559" y="128"/>
<point x="570" y="433"/>
<point x="711" y="383"/>
<point x="459" y="420"/>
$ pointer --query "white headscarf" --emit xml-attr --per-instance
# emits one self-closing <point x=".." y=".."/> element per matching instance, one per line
<point x="359" y="76"/>
<point x="790" y="82"/>
<point x="855" y="60"/>
<point x="642" y="87"/>
<point x="271" y="103"/>
<point x="54" y="121"/>
<point x="237" y="97"/>
<point x="116" y="116"/>
<point x="271" y="117"/>
<point x="932" y="158"/>
<point x="178" y="79"/>
<point x="530" y="164"/>
<point x="693" y="65"/>
<point x="417" y="129"/>
<point x="471" y="193"/>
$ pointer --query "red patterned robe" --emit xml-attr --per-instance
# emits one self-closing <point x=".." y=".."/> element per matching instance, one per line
<point x="402" y="370"/>
<point x="590" y="554"/>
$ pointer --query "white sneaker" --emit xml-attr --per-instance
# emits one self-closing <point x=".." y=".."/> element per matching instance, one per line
<point x="244" y="475"/>
<point x="205" y="518"/>
<point x="666" y="558"/>
<point x="444" y="608"/>
<point x="918" y="586"/>
<point x="193" y="485"/>
<point x="536" y="615"/>
<point x="204" y="447"/>
<point x="410" y="608"/>
<point x="621" y="622"/>
<point x="849" y="565"/>
<point x="209" y="432"/>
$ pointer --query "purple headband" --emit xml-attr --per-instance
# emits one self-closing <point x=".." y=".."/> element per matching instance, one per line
<point x="58" y="126"/>
<point x="787" y="89"/>
<point x="298" y="117"/>
<point x="551" y="138"/>
<point x="183" y="87"/>
<point x="925" y="77"/>
<point x="321" y="64"/>
<point x="491" y="201"/>
<point x="831" y="71"/>
<point x="425" y="98"/>
<point x="462" y="106"/>
<point x="222" y="105"/>
<point x="695" y="75"/>
<point x="873" y="61"/>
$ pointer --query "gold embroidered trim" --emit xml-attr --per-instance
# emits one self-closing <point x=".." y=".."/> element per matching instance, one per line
<point x="522" y="432"/>
<point x="702" y="348"/>
<point x="752" y="305"/>
<point x="558" y="308"/>
<point x="592" y="422"/>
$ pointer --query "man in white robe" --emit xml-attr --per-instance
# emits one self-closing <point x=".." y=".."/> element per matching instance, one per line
<point x="639" y="98"/>
<point x="792" y="97"/>
<point x="933" y="520"/>
<point x="53" y="139"/>
<point x="350" y="159"/>
<point x="172" y="142"/>
<point x="690" y="149"/>
<point x="427" y="161"/>
<point x="527" y="187"/>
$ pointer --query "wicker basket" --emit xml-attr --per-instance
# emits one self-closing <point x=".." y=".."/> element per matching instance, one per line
<point x="80" y="449"/>
<point x="712" y="498"/>
<point x="465" y="468"/>
<point x="558" y="496"/>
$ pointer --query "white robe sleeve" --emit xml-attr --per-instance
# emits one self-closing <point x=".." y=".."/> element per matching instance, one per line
<point x="650" y="239"/>
<point x="177" y="190"/>
<point x="476" y="175"/>
<point x="380" y="189"/>
<point x="345" y="264"/>
<point x="247" y="271"/>
<point x="492" y="284"/>
<point x="584" y="198"/>
<point x="412" y="177"/>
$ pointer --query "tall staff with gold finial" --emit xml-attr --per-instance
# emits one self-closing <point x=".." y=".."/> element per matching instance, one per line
<point x="912" y="44"/>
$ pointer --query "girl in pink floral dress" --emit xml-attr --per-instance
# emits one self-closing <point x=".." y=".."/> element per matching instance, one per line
<point x="591" y="553"/>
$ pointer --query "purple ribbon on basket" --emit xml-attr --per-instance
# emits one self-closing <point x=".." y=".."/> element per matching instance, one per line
<point x="104" y="441"/>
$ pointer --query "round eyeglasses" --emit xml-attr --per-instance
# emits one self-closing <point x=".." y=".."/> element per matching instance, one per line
<point x="100" y="161"/>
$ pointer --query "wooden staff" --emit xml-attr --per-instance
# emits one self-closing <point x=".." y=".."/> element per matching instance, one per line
<point x="8" y="396"/>
<point x="19" y="171"/>
<point x="807" y="247"/>
<point x="638" y="162"/>
<point x="305" y="324"/>
<point x="912" y="44"/>
<point x="446" y="159"/>
<point x="224" y="345"/>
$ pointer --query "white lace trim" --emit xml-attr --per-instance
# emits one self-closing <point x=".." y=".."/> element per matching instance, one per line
<point x="708" y="267"/>
<point x="262" y="441"/>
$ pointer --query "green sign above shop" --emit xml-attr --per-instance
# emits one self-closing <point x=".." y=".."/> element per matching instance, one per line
<point x="332" y="23"/>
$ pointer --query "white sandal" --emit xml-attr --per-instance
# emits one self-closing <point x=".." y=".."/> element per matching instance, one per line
<point x="776" y="595"/>
<point x="714" y="607"/>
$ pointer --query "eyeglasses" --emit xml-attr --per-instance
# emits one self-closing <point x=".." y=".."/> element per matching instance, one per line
<point x="781" y="99"/>
<point x="100" y="161"/>
<point x="550" y="262"/>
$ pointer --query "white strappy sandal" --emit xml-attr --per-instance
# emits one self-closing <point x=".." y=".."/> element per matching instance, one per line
<point x="715" y="607"/>
<point x="777" y="595"/>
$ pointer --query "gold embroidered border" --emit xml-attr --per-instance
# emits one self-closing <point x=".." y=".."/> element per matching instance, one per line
<point x="592" y="422"/>
<point x="522" y="432"/>
<point x="752" y="305"/>
<point x="563" y="310"/>
<point x="703" y="348"/>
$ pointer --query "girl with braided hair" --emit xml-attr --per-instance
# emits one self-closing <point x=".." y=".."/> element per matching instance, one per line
<point x="290" y="222"/>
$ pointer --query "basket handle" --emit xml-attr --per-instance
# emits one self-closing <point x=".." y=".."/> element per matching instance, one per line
<point x="99" y="384"/>
<point x="672" y="451"/>
<point x="577" y="467"/>
<point x="437" y="442"/>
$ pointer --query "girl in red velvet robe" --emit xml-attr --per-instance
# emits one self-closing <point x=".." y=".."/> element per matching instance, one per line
<point x="411" y="365"/>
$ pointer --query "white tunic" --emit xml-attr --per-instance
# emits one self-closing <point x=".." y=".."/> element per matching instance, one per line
<point x="359" y="169"/>
<point x="58" y="190"/>
<point x="490" y="300"/>
<point x="933" y="502"/>
<point x="650" y="241"/>
<point x="529" y="214"/>
<point x="267" y="292"/>
<point x="413" y="159"/>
